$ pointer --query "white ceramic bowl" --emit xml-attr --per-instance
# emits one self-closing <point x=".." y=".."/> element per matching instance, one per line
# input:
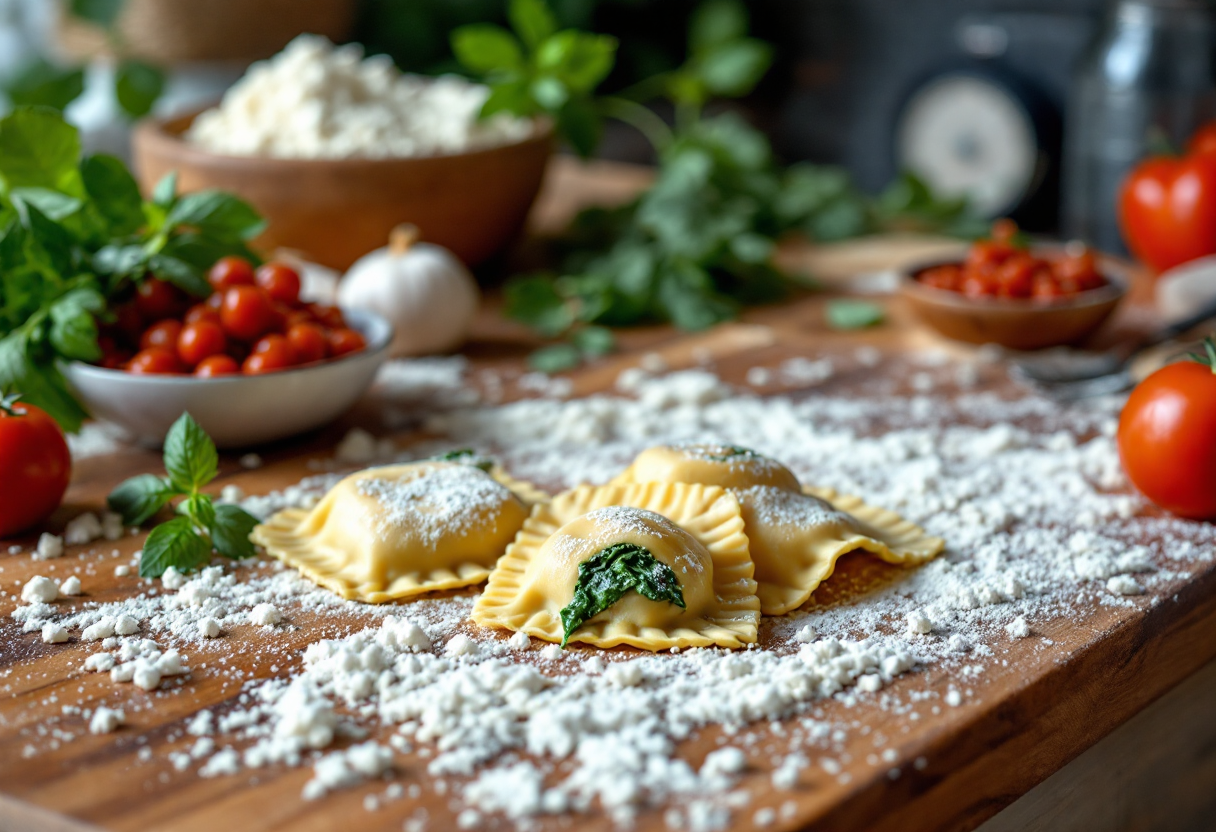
<point x="237" y="411"/>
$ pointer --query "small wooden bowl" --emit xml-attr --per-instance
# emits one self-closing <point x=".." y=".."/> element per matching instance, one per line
<point x="333" y="211"/>
<point x="1013" y="323"/>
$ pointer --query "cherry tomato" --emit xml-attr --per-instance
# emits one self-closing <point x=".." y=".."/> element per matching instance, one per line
<point x="155" y="361"/>
<point x="247" y="314"/>
<point x="269" y="354"/>
<point x="202" y="312"/>
<point x="163" y="334"/>
<point x="158" y="300"/>
<point x="330" y="316"/>
<point x="308" y="342"/>
<point x="199" y="340"/>
<point x="36" y="464"/>
<point x="280" y="281"/>
<point x="128" y="322"/>
<point x="1167" y="437"/>
<point x="217" y="365"/>
<point x="343" y="341"/>
<point x="1167" y="210"/>
<point x="215" y="301"/>
<point x="230" y="271"/>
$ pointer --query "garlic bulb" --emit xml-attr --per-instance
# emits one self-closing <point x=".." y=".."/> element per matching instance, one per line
<point x="422" y="289"/>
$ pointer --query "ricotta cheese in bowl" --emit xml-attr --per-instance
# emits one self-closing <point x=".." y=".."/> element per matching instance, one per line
<point x="315" y="100"/>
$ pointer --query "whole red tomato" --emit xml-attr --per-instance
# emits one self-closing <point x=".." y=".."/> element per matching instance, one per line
<point x="36" y="464"/>
<point x="1167" y="210"/>
<point x="1167" y="437"/>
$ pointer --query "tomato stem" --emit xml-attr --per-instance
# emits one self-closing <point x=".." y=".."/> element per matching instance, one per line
<point x="7" y="400"/>
<point x="1208" y="360"/>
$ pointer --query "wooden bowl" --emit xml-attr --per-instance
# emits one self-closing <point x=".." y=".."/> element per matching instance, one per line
<point x="333" y="211"/>
<point x="1013" y="323"/>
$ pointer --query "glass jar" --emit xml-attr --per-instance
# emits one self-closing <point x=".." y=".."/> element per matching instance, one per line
<point x="1146" y="81"/>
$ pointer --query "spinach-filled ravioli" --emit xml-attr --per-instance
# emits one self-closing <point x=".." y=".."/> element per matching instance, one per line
<point x="796" y="534"/>
<point x="400" y="530"/>
<point x="651" y="565"/>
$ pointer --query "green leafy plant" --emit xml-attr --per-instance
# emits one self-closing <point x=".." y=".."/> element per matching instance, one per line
<point x="538" y="69"/>
<point x="846" y="313"/>
<point x="698" y="244"/>
<point x="137" y="84"/>
<point x="604" y="578"/>
<point x="76" y="237"/>
<point x="187" y="541"/>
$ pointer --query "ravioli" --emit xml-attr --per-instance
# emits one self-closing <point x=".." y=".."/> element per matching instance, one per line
<point x="393" y="532"/>
<point x="692" y="533"/>
<point x="728" y="466"/>
<point x="796" y="534"/>
<point x="797" y="538"/>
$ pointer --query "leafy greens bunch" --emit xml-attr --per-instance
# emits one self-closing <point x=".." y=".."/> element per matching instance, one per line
<point x="187" y="541"/>
<point x="76" y="237"/>
<point x="699" y="243"/>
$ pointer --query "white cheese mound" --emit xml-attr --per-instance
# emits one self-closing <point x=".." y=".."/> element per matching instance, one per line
<point x="49" y="547"/>
<point x="105" y="720"/>
<point x="519" y="641"/>
<point x="126" y="625"/>
<point x="122" y="570"/>
<point x="919" y="623"/>
<point x="82" y="529"/>
<point x="70" y="586"/>
<point x="99" y="630"/>
<point x="39" y="590"/>
<point x="209" y="628"/>
<point x="54" y="633"/>
<point x="314" y="100"/>
<point x="1018" y="628"/>
<point x="265" y="615"/>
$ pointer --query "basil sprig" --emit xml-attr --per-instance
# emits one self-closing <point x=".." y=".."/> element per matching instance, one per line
<point x="186" y="541"/>
<point x="604" y="579"/>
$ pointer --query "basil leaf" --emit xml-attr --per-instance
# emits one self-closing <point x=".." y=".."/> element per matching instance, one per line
<point x="38" y="149"/>
<point x="230" y="532"/>
<point x="114" y="192"/>
<point x="534" y="301"/>
<point x="53" y="204"/>
<point x="137" y="86"/>
<point x="102" y="12"/>
<point x="604" y="578"/>
<point x="578" y="59"/>
<point x="121" y="260"/>
<point x="200" y="510"/>
<point x="735" y="68"/>
<point x="39" y="382"/>
<point x="165" y="192"/>
<point x="532" y="21"/>
<point x="190" y="456"/>
<point x="483" y="47"/>
<point x="853" y="314"/>
<point x="715" y="23"/>
<point x="43" y="84"/>
<point x="173" y="543"/>
<point x="555" y="358"/>
<point x="181" y="274"/>
<point x="594" y="341"/>
<point x="216" y="212"/>
<point x="139" y="498"/>
<point x="73" y="328"/>
<point x="581" y="125"/>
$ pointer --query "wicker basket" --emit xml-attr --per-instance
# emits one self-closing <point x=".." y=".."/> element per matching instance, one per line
<point x="166" y="32"/>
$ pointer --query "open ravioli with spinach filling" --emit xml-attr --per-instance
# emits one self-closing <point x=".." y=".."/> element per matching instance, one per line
<point x="400" y="530"/>
<point x="796" y="534"/>
<point x="651" y="565"/>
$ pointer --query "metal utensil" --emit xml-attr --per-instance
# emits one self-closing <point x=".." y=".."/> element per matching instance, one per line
<point x="1067" y="366"/>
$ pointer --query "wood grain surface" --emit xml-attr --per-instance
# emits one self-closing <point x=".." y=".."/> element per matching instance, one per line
<point x="1038" y="703"/>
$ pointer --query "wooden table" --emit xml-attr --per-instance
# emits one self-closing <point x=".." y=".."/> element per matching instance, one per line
<point x="1027" y="719"/>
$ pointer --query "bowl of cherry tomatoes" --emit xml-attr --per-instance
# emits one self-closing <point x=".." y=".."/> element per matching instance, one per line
<point x="1021" y="297"/>
<point x="252" y="362"/>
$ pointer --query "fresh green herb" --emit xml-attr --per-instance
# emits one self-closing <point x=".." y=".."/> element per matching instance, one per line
<point x="731" y="452"/>
<point x="76" y="238"/>
<point x="844" y="313"/>
<point x="1208" y="359"/>
<point x="604" y="579"/>
<point x="186" y="541"/>
<point x="466" y="456"/>
<point x="698" y="245"/>
<point x="539" y="69"/>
